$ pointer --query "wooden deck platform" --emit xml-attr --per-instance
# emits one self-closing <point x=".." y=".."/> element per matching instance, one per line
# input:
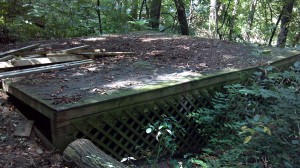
<point x="77" y="103"/>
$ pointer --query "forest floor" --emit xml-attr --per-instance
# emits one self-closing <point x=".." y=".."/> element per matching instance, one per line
<point x="197" y="55"/>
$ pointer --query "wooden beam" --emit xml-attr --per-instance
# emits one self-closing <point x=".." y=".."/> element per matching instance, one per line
<point x="44" y="68"/>
<point x="95" y="52"/>
<point x="74" y="48"/>
<point x="106" y="53"/>
<point x="7" y="57"/>
<point x="59" y="54"/>
<point x="20" y="49"/>
<point x="38" y="61"/>
<point x="32" y="56"/>
<point x="65" y="51"/>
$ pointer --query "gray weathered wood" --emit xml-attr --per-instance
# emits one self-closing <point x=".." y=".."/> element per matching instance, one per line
<point x="32" y="56"/>
<point x="38" y="61"/>
<point x="20" y="49"/>
<point x="24" y="128"/>
<point x="74" y="48"/>
<point x="43" y="69"/>
<point x="7" y="57"/>
<point x="106" y="53"/>
<point x="85" y="154"/>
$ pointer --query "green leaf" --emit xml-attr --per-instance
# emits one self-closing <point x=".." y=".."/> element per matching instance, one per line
<point x="256" y="118"/>
<point x="295" y="142"/>
<point x="287" y="164"/>
<point x="247" y="139"/>
<point x="149" y="130"/>
<point x="200" y="163"/>
<point x="267" y="130"/>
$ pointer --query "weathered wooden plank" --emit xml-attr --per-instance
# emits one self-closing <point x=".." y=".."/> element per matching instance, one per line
<point x="43" y="69"/>
<point x="74" y="48"/>
<point x="38" y="61"/>
<point x="24" y="128"/>
<point x="93" y="52"/>
<point x="6" y="64"/>
<point x="7" y="57"/>
<point x="59" y="54"/>
<point x="106" y="53"/>
<point x="20" y="49"/>
<point x="66" y="52"/>
<point x="32" y="56"/>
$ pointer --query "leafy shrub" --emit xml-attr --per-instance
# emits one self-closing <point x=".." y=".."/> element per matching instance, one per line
<point x="165" y="133"/>
<point x="255" y="125"/>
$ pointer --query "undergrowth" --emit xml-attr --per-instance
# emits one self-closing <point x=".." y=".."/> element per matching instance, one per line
<point x="254" y="125"/>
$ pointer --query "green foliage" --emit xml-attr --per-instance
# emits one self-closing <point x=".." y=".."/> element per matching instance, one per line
<point x="254" y="125"/>
<point x="165" y="133"/>
<point x="47" y="19"/>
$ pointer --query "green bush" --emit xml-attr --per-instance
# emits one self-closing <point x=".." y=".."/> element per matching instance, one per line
<point x="254" y="125"/>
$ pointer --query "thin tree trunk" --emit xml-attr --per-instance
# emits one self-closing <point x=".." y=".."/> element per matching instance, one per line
<point x="193" y="5"/>
<point x="134" y="10"/>
<point x="141" y="9"/>
<point x="223" y="20"/>
<point x="155" y="13"/>
<point x="184" y="28"/>
<point x="190" y="17"/>
<point x="99" y="17"/>
<point x="213" y="17"/>
<point x="232" y="20"/>
<point x="274" y="29"/>
<point x="251" y="18"/>
<point x="296" y="40"/>
<point x="285" y="20"/>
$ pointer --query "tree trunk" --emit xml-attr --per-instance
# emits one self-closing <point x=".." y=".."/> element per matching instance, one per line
<point x="134" y="9"/>
<point x="144" y="2"/>
<point x="184" y="27"/>
<point x="85" y="154"/>
<point x="99" y="17"/>
<point x="274" y="29"/>
<point x="193" y="5"/>
<point x="296" y="40"/>
<point x="285" y="20"/>
<point x="225" y="9"/>
<point x="213" y="17"/>
<point x="251" y="18"/>
<point x="232" y="20"/>
<point x="155" y="13"/>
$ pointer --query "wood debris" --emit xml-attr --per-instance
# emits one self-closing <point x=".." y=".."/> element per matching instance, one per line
<point x="20" y="49"/>
<point x="23" y="58"/>
<point x="48" y="68"/>
<point x="24" y="128"/>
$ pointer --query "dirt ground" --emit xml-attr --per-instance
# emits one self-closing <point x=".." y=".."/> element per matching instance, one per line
<point x="20" y="152"/>
<point x="196" y="55"/>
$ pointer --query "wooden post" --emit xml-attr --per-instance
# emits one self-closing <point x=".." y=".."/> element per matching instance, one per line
<point x="85" y="154"/>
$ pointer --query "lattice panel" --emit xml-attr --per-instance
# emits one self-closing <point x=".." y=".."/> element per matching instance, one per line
<point x="118" y="132"/>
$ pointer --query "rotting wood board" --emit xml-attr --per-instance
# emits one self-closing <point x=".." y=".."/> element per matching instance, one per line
<point x="7" y="57"/>
<point x="43" y="69"/>
<point x="24" y="128"/>
<point x="20" y="49"/>
<point x="38" y="61"/>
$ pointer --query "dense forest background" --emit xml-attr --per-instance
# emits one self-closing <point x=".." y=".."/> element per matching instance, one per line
<point x="266" y="22"/>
